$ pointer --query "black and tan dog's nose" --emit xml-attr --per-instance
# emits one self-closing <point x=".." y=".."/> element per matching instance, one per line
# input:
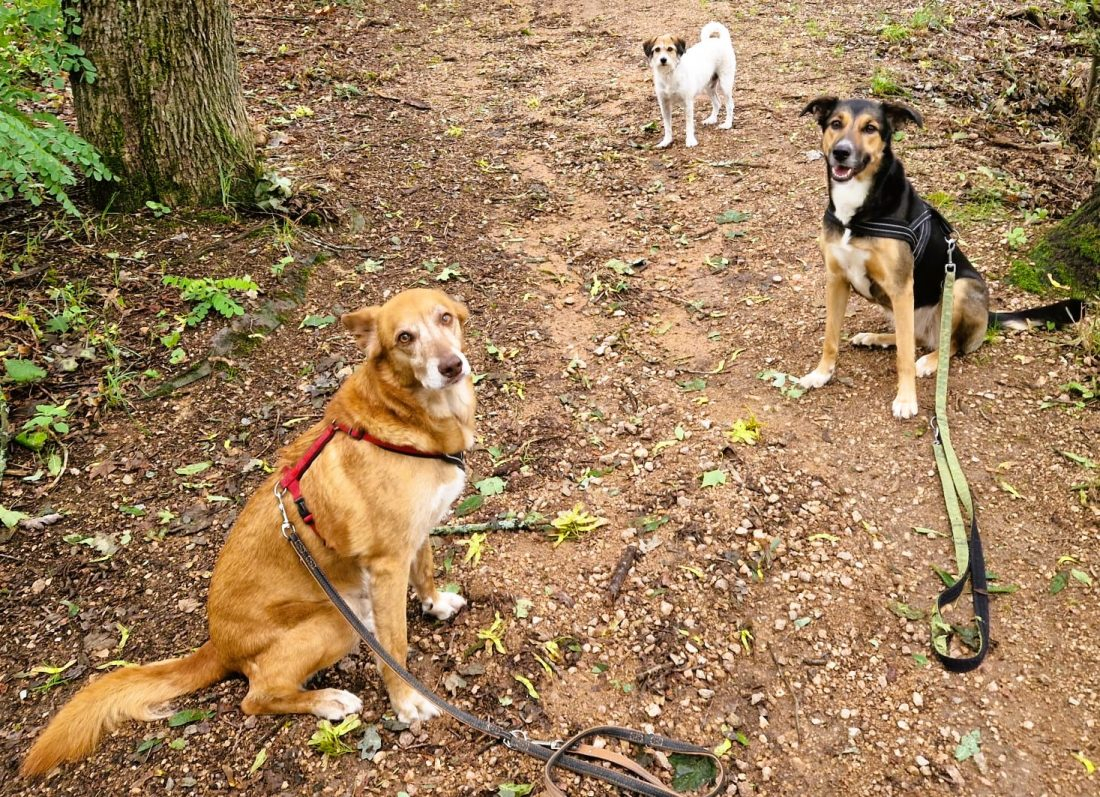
<point x="842" y="150"/>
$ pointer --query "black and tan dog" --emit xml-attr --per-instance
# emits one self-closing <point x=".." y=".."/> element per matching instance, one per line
<point x="882" y="239"/>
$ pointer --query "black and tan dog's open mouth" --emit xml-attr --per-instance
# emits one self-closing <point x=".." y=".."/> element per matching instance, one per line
<point x="842" y="173"/>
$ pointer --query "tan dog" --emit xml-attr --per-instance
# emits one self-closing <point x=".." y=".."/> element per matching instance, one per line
<point x="373" y="510"/>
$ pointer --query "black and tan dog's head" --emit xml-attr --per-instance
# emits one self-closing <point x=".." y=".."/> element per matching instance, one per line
<point x="663" y="52"/>
<point x="856" y="134"/>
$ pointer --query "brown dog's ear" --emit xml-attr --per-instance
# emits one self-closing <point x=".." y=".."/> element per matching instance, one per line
<point x="899" y="114"/>
<point x="363" y="325"/>
<point x="681" y="46"/>
<point x="461" y="312"/>
<point x="822" y="108"/>
<point x="647" y="47"/>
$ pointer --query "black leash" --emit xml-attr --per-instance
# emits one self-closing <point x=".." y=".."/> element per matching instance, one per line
<point x="555" y="753"/>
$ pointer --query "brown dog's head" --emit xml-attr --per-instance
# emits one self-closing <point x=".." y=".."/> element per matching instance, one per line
<point x="417" y="335"/>
<point x="856" y="134"/>
<point x="663" y="52"/>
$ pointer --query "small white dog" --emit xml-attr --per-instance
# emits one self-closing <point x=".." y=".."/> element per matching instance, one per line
<point x="680" y="74"/>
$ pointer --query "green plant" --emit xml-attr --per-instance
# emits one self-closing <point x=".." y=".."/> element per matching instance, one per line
<point x="573" y="524"/>
<point x="1014" y="238"/>
<point x="158" y="209"/>
<point x="48" y="421"/>
<point x="206" y="293"/>
<point x="883" y="84"/>
<point x="328" y="738"/>
<point x="271" y="191"/>
<point x="38" y="154"/>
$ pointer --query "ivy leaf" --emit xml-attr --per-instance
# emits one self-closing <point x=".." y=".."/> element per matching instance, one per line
<point x="692" y="385"/>
<point x="1059" y="582"/>
<point x="9" y="517"/>
<point x="23" y="371"/>
<point x="714" y="478"/>
<point x="969" y="746"/>
<point x="188" y="716"/>
<point x="317" y="321"/>
<point x="470" y="503"/>
<point x="732" y="217"/>
<point x="905" y="611"/>
<point x="494" y="485"/>
<point x="691" y="772"/>
<point x="1081" y="576"/>
<point x="370" y="744"/>
<point x="194" y="468"/>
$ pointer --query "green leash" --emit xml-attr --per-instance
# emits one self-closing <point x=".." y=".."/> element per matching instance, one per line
<point x="969" y="557"/>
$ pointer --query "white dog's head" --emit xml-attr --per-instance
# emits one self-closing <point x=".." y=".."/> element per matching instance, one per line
<point x="663" y="52"/>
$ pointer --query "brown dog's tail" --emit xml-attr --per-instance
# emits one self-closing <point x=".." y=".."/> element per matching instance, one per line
<point x="130" y="693"/>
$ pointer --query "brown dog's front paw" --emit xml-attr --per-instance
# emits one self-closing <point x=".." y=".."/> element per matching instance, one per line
<point x="905" y="407"/>
<point x="444" y="605"/>
<point x="413" y="707"/>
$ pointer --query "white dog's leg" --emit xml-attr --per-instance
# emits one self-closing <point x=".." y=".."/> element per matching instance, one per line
<point x="666" y="120"/>
<point x="689" y="122"/>
<point x="728" y="91"/>
<point x="715" y="104"/>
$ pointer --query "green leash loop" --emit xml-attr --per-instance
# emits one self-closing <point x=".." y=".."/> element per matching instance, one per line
<point x="969" y="557"/>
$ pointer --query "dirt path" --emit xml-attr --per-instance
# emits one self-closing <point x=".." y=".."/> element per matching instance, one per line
<point x="621" y="329"/>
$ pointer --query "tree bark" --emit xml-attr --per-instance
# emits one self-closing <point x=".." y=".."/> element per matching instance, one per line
<point x="166" y="110"/>
<point x="1071" y="251"/>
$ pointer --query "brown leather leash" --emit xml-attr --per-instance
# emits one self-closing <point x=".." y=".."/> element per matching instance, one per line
<point x="555" y="754"/>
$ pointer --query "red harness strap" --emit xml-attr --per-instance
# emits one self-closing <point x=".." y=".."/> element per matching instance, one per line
<point x="290" y="480"/>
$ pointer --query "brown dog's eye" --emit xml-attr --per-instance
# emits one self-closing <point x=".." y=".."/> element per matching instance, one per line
<point x="405" y="338"/>
<point x="446" y="319"/>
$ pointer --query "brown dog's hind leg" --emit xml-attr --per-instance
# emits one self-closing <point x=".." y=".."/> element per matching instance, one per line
<point x="276" y="676"/>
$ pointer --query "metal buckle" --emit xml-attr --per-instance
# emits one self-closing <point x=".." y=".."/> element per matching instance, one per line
<point x="287" y="528"/>
<point x="949" y="266"/>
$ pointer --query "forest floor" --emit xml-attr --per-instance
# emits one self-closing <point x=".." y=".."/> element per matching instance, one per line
<point x="625" y="302"/>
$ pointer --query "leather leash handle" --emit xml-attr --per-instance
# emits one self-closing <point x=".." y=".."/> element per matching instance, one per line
<point x="652" y="786"/>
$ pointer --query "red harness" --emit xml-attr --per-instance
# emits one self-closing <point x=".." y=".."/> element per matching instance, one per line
<point x="290" y="480"/>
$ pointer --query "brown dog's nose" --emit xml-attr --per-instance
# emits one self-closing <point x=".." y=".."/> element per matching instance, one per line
<point x="451" y="366"/>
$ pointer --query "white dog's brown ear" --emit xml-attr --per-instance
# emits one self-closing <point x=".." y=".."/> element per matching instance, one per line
<point x="822" y="108"/>
<point x="363" y="326"/>
<point x="681" y="46"/>
<point x="647" y="47"/>
<point x="899" y="114"/>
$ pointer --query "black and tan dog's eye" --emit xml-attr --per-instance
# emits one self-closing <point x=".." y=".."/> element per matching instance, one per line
<point x="836" y="124"/>
<point x="870" y="129"/>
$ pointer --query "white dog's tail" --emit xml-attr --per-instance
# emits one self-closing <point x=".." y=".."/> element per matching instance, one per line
<point x="714" y="30"/>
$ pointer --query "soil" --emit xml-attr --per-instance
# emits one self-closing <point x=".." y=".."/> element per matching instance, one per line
<point x="504" y="151"/>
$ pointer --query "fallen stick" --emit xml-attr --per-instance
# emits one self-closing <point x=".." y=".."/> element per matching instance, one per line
<point x="626" y="561"/>
<point x="509" y="524"/>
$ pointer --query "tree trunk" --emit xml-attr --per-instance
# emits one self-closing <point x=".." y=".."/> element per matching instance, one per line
<point x="1071" y="251"/>
<point x="166" y="110"/>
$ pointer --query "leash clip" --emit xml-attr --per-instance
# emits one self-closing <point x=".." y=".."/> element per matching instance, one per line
<point x="287" y="528"/>
<point x="933" y="423"/>
<point x="949" y="266"/>
<point x="515" y="739"/>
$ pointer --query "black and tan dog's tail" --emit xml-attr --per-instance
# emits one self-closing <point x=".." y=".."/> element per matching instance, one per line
<point x="1058" y="314"/>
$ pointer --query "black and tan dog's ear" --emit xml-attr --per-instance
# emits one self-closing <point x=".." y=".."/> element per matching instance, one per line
<point x="363" y="326"/>
<point x="899" y="114"/>
<point x="647" y="47"/>
<point x="822" y="108"/>
<point x="681" y="46"/>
